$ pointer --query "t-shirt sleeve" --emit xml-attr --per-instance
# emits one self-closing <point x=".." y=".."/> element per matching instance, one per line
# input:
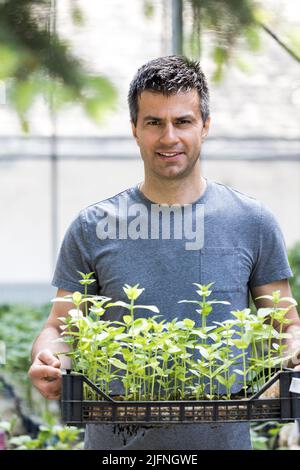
<point x="271" y="261"/>
<point x="74" y="256"/>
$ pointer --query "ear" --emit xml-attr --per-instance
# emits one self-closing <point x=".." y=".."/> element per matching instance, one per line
<point x="205" y="128"/>
<point x="134" y="132"/>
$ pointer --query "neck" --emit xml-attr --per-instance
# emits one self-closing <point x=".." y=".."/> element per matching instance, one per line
<point x="174" y="192"/>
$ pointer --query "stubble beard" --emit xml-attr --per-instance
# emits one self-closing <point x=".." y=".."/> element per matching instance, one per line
<point x="177" y="175"/>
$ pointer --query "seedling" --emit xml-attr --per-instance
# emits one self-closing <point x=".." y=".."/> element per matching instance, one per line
<point x="159" y="360"/>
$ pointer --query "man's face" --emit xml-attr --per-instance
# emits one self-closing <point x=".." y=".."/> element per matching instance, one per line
<point x="169" y="132"/>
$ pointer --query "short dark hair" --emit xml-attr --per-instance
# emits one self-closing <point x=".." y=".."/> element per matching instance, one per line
<point x="169" y="75"/>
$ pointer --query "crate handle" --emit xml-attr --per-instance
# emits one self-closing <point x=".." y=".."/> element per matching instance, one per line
<point x="98" y="390"/>
<point x="266" y="386"/>
<point x="295" y="385"/>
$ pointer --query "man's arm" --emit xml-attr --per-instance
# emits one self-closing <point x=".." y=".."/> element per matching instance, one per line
<point x="285" y="291"/>
<point x="45" y="370"/>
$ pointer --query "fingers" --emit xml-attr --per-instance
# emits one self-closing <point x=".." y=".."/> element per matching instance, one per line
<point x="38" y="371"/>
<point x="51" y="391"/>
<point x="46" y="378"/>
<point x="47" y="357"/>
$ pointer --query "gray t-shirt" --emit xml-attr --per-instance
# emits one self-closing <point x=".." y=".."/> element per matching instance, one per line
<point x="241" y="246"/>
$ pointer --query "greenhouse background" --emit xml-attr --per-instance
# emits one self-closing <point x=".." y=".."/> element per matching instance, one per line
<point x="253" y="144"/>
<point x="66" y="161"/>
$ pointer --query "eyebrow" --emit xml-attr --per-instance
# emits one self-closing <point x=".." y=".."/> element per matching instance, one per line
<point x="155" y="118"/>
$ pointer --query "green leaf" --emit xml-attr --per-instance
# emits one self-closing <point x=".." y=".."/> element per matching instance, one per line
<point x="100" y="337"/>
<point x="132" y="292"/>
<point x="153" y="308"/>
<point x="173" y="349"/>
<point x="127" y="319"/>
<point x="221" y="379"/>
<point x="267" y="297"/>
<point x="288" y="299"/>
<point x="188" y="323"/>
<point x="63" y="299"/>
<point x="264" y="312"/>
<point x="77" y="298"/>
<point x="117" y="363"/>
<point x="284" y="336"/>
<point x="86" y="282"/>
<point x="240" y="343"/>
<point x="203" y="352"/>
<point x="119" y="303"/>
<point x="231" y="380"/>
<point x="139" y="325"/>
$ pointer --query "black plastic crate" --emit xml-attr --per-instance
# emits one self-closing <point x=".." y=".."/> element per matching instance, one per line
<point x="76" y="410"/>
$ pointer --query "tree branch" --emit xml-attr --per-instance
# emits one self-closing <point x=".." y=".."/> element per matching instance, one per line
<point x="282" y="44"/>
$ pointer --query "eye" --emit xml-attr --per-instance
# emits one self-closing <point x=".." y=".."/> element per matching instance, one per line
<point x="152" y="123"/>
<point x="183" y="121"/>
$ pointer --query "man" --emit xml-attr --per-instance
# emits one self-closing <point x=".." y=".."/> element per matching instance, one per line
<point x="241" y="247"/>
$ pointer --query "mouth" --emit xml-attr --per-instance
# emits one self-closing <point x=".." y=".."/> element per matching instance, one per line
<point x="169" y="156"/>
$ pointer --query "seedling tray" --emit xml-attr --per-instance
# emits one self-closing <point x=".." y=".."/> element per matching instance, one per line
<point x="76" y="410"/>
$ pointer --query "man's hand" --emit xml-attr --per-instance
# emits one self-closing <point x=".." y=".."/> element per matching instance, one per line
<point x="293" y="343"/>
<point x="45" y="374"/>
<point x="294" y="347"/>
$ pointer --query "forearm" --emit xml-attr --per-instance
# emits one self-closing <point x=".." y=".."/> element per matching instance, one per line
<point x="293" y="343"/>
<point x="46" y="340"/>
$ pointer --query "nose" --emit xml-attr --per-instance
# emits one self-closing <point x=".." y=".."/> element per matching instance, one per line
<point x="169" y="135"/>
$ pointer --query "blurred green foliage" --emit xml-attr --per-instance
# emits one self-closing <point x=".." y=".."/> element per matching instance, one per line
<point x="232" y="27"/>
<point x="264" y="436"/>
<point x="20" y="324"/>
<point x="35" y="62"/>
<point x="227" y="21"/>
<point x="51" y="436"/>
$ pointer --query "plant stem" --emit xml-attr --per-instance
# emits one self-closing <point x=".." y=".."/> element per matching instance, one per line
<point x="280" y="345"/>
<point x="245" y="373"/>
<point x="269" y="347"/>
<point x="153" y="376"/>
<point x="210" y="381"/>
<point x="263" y="359"/>
<point x="85" y="303"/>
<point x="133" y="347"/>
